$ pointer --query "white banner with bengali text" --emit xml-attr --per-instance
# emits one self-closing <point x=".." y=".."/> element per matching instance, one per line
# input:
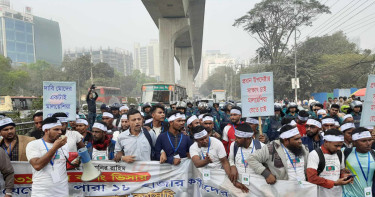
<point x="145" y="179"/>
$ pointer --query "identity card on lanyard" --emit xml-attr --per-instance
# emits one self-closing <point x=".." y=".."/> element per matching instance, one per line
<point x="54" y="174"/>
<point x="367" y="189"/>
<point x="207" y="172"/>
<point x="245" y="177"/>
<point x="300" y="184"/>
<point x="176" y="155"/>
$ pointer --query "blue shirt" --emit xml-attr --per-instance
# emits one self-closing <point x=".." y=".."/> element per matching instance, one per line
<point x="163" y="143"/>
<point x="357" y="188"/>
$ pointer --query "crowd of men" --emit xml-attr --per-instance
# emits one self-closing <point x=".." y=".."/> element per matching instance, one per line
<point x="323" y="145"/>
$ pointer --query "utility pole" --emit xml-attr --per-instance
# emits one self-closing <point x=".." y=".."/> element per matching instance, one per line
<point x="295" y="54"/>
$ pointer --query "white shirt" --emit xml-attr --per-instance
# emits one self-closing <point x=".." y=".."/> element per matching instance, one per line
<point x="246" y="154"/>
<point x="43" y="185"/>
<point x="216" y="152"/>
<point x="157" y="131"/>
<point x="74" y="137"/>
<point x="299" y="163"/>
<point x="137" y="146"/>
<point x="330" y="172"/>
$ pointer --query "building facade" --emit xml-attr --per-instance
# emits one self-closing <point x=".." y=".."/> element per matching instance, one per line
<point x="119" y="59"/>
<point x="146" y="58"/>
<point x="211" y="60"/>
<point x="25" y="38"/>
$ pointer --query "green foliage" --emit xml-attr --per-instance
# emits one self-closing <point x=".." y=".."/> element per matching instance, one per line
<point x="28" y="79"/>
<point x="323" y="64"/>
<point x="37" y="104"/>
<point x="274" y="21"/>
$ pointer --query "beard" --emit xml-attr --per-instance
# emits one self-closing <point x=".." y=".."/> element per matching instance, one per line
<point x="311" y="134"/>
<point x="297" y="151"/>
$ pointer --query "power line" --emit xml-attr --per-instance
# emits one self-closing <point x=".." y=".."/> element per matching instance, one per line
<point x="316" y="17"/>
<point x="352" y="16"/>
<point x="359" y="21"/>
<point x="361" y="27"/>
<point x="349" y="29"/>
<point x="341" y="18"/>
<point x="317" y="29"/>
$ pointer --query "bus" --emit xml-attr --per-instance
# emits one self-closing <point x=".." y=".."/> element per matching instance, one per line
<point x="162" y="92"/>
<point x="108" y="95"/>
<point x="14" y="103"/>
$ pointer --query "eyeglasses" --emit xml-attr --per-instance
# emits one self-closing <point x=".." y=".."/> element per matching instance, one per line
<point x="316" y="109"/>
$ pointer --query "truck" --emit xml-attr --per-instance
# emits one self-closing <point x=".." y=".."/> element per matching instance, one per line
<point x="219" y="95"/>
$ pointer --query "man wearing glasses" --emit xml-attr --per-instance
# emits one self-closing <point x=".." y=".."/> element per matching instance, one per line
<point x="313" y="138"/>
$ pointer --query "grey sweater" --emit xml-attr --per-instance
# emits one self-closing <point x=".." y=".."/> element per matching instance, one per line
<point x="265" y="162"/>
<point x="6" y="169"/>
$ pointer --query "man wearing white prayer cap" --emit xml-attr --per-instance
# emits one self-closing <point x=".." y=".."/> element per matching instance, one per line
<point x="124" y="110"/>
<point x="347" y="129"/>
<point x="172" y="145"/>
<point x="288" y="150"/>
<point x="74" y="137"/>
<point x="326" y="167"/>
<point x="313" y="138"/>
<point x="83" y="128"/>
<point x="47" y="158"/>
<point x="254" y="124"/>
<point x="360" y="161"/>
<point x="208" y="124"/>
<point x="229" y="130"/>
<point x="239" y="154"/>
<point x="208" y="152"/>
<point x="191" y="122"/>
<point x="108" y="118"/>
<point x="327" y="123"/>
<point x="347" y="118"/>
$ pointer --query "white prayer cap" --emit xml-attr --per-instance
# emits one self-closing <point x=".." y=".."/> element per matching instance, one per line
<point x="252" y="120"/>
<point x="347" y="116"/>
<point x="106" y="114"/>
<point x="124" y="117"/>
<point x="361" y="135"/>
<point x="321" y="112"/>
<point x="82" y="121"/>
<point x="290" y="133"/>
<point x="191" y="119"/>
<point x="347" y="126"/>
<point x="100" y="126"/>
<point x="124" y="108"/>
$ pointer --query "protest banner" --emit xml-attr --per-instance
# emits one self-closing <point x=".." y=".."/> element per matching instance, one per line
<point x="59" y="96"/>
<point x="368" y="107"/>
<point x="257" y="94"/>
<point x="155" y="179"/>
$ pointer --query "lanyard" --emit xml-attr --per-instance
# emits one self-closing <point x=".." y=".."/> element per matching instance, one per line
<point x="178" y="146"/>
<point x="10" y="149"/>
<point x="290" y="159"/>
<point x="243" y="158"/>
<point x="368" y="165"/>
<point x="51" y="162"/>
<point x="208" y="149"/>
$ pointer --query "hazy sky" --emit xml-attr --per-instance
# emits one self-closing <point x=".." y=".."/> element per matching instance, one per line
<point x="120" y="23"/>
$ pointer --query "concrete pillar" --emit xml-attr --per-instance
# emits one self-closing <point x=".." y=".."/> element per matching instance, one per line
<point x="169" y="30"/>
<point x="190" y="86"/>
<point x="184" y="54"/>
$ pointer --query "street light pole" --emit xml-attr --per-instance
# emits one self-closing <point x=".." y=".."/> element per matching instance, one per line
<point x="295" y="55"/>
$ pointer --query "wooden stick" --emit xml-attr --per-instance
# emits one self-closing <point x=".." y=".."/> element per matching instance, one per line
<point x="260" y="126"/>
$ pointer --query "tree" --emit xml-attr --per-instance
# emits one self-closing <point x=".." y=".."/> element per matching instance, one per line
<point x="274" y="21"/>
